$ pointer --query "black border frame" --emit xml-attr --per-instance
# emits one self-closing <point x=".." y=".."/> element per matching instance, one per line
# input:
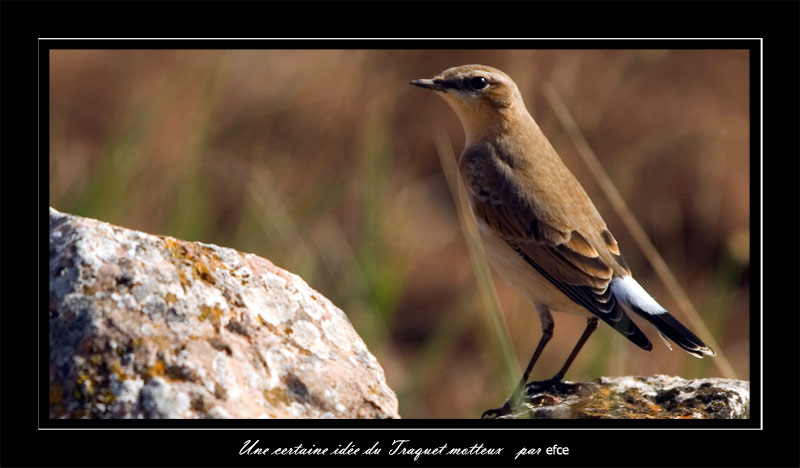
<point x="775" y="22"/>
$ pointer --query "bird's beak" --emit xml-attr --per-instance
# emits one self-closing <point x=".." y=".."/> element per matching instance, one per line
<point x="435" y="85"/>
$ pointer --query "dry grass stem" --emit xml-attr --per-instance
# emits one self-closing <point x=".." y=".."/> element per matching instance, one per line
<point x="480" y="266"/>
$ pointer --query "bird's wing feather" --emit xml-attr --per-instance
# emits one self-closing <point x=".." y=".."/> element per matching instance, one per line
<point x="566" y="257"/>
<point x="556" y="225"/>
<point x="579" y="258"/>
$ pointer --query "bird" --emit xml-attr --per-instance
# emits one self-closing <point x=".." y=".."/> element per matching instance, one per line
<point x="541" y="232"/>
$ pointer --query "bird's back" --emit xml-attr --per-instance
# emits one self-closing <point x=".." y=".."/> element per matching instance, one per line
<point x="542" y="191"/>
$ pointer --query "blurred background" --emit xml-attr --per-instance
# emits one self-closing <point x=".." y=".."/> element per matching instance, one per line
<point x="326" y="162"/>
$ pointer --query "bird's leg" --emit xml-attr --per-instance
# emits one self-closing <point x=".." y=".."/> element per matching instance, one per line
<point x="591" y="326"/>
<point x="514" y="399"/>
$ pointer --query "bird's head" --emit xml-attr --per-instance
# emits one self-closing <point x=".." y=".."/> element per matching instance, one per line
<point x="482" y="96"/>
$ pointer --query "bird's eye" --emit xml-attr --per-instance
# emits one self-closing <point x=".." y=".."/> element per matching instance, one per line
<point x="478" y="83"/>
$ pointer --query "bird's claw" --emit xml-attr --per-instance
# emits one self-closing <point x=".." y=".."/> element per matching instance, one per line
<point x="497" y="412"/>
<point x="556" y="385"/>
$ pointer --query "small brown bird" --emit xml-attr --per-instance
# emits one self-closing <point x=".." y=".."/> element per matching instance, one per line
<point x="541" y="232"/>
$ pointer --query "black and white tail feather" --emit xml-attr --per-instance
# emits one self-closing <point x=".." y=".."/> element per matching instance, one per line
<point x="634" y="298"/>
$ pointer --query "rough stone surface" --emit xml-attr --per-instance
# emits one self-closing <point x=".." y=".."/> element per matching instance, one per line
<point x="656" y="397"/>
<point x="145" y="326"/>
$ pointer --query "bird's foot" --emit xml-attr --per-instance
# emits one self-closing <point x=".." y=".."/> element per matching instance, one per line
<point x="553" y="385"/>
<point x="539" y="393"/>
<point x="557" y="387"/>
<point x="514" y="402"/>
<point x="497" y="412"/>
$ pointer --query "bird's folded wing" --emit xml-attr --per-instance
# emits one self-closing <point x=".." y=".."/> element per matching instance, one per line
<point x="564" y="258"/>
<point x="537" y="222"/>
<point x="560" y="249"/>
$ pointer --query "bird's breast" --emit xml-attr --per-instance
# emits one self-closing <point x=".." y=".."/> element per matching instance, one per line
<point x="523" y="278"/>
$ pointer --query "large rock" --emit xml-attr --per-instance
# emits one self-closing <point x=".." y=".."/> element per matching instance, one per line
<point x="656" y="397"/>
<point x="145" y="326"/>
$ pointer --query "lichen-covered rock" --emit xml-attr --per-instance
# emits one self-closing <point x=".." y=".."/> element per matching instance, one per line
<point x="145" y="326"/>
<point x="656" y="397"/>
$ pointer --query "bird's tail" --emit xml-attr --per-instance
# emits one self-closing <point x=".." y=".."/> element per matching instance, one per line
<point x="633" y="297"/>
